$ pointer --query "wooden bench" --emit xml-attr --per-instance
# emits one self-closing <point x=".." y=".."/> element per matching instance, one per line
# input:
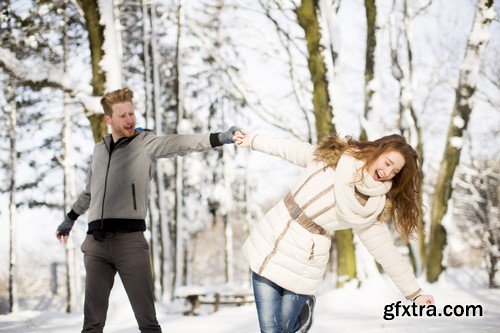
<point x="216" y="298"/>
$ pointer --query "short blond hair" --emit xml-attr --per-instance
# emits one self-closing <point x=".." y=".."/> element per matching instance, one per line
<point x="114" y="97"/>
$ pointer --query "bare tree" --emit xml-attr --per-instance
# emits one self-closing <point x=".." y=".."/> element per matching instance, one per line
<point x="468" y="79"/>
<point x="11" y="112"/>
<point x="307" y="15"/>
<point x="180" y="248"/>
<point x="408" y="121"/>
<point x="371" y="43"/>
<point x="12" y="129"/>
<point x="477" y="210"/>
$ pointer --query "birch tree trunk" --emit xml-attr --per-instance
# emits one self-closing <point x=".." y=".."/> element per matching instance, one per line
<point x="11" y="111"/>
<point x="371" y="43"/>
<point x="415" y="137"/>
<point x="308" y="20"/>
<point x="149" y="120"/>
<point x="228" y="251"/>
<point x="13" y="297"/>
<point x="491" y="194"/>
<point x="72" y="276"/>
<point x="468" y="79"/>
<point x="161" y="231"/>
<point x="179" y="250"/>
<point x="408" y="122"/>
<point x="228" y="228"/>
<point x="146" y="38"/>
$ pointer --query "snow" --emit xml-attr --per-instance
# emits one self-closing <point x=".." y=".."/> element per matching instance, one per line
<point x="92" y="104"/>
<point x="349" y="309"/>
<point x="458" y="122"/>
<point x="50" y="73"/>
<point x="110" y="62"/>
<point x="457" y="142"/>
<point x="478" y="39"/>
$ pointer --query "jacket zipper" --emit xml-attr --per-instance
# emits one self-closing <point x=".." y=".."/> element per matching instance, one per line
<point x="105" y="183"/>
<point x="275" y="249"/>
<point x="133" y="196"/>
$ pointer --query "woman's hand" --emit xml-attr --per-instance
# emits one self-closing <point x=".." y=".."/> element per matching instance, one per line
<point x="424" y="300"/>
<point x="242" y="139"/>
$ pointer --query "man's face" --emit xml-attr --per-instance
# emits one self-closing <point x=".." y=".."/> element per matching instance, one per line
<point x="122" y="120"/>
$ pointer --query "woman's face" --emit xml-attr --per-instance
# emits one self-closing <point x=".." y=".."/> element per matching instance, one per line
<point x="386" y="166"/>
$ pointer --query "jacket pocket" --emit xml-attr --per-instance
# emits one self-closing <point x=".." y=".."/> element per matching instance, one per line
<point x="311" y="252"/>
<point x="133" y="196"/>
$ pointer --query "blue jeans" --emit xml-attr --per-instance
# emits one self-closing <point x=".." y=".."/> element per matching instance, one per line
<point x="277" y="308"/>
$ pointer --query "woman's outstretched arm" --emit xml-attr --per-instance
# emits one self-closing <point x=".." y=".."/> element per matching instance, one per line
<point x="380" y="244"/>
<point x="294" y="151"/>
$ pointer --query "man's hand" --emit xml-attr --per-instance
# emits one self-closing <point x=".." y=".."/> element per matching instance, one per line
<point x="228" y="136"/>
<point x="62" y="232"/>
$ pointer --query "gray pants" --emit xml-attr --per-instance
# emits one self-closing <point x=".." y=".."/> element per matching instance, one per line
<point x="127" y="254"/>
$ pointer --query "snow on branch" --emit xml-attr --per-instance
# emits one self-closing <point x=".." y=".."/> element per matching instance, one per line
<point x="112" y="58"/>
<point x="42" y="74"/>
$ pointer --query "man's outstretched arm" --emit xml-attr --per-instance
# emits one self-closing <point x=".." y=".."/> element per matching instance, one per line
<point x="181" y="144"/>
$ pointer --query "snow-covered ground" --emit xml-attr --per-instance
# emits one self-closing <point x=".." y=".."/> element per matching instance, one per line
<point x="343" y="310"/>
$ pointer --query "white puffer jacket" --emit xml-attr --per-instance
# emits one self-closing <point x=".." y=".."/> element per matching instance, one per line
<point x="285" y="252"/>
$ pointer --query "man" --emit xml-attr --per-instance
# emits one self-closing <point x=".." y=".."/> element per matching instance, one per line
<point x="116" y="196"/>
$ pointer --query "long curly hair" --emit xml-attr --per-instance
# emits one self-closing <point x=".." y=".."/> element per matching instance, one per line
<point x="403" y="200"/>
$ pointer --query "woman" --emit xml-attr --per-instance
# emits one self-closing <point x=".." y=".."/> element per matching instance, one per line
<point x="345" y="184"/>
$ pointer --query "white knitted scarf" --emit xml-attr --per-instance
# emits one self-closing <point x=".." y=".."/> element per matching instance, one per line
<point x="348" y="175"/>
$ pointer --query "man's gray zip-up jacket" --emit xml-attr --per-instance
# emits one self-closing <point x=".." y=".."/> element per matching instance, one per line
<point x="117" y="186"/>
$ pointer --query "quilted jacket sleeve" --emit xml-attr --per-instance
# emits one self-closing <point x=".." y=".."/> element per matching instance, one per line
<point x="294" y="151"/>
<point x="379" y="243"/>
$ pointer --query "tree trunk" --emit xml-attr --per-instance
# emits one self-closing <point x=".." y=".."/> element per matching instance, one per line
<point x="72" y="278"/>
<point x="408" y="122"/>
<point x="162" y="231"/>
<point x="371" y="43"/>
<point x="153" y="212"/>
<point x="13" y="297"/>
<point x="468" y="79"/>
<point x="177" y="235"/>
<point x="418" y="133"/>
<point x="228" y="251"/>
<point x="11" y="111"/>
<point x="96" y="41"/>
<point x="308" y="20"/>
<point x="491" y="193"/>
<point x="146" y="49"/>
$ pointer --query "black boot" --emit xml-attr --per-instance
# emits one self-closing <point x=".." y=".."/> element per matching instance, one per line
<point x="306" y="315"/>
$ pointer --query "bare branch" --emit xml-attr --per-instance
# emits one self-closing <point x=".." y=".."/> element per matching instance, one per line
<point x="44" y="74"/>
<point x="242" y="88"/>
<point x="422" y="9"/>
